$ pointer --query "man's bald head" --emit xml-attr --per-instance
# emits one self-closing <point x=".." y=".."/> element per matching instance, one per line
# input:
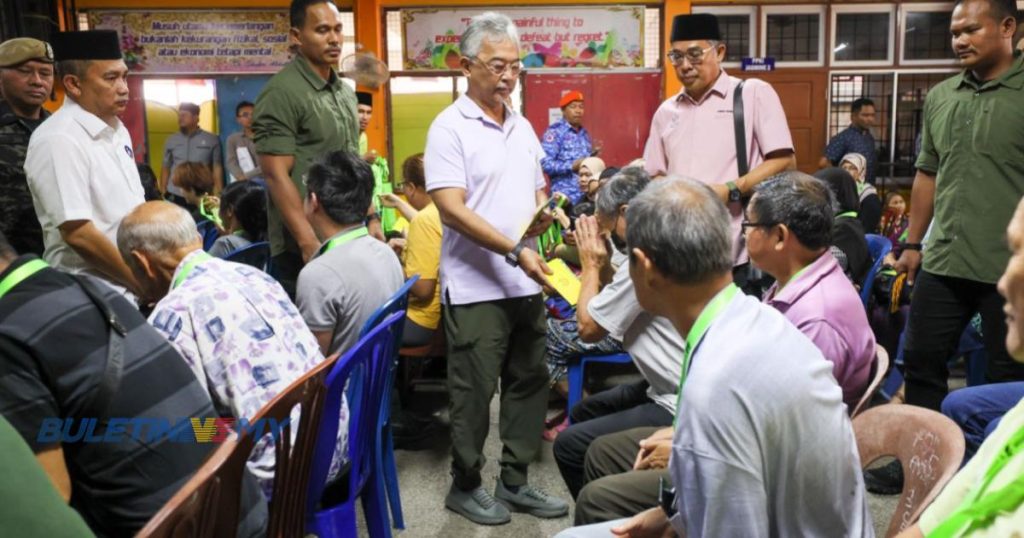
<point x="158" y="228"/>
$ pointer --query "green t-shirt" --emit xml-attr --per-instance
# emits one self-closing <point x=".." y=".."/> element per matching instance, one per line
<point x="972" y="139"/>
<point x="298" y="113"/>
<point x="29" y="504"/>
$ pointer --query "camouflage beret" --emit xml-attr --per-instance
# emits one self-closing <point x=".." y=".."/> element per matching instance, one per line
<point x="22" y="49"/>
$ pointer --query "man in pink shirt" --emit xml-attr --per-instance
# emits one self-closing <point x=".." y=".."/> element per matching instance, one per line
<point x="482" y="165"/>
<point x="788" y="229"/>
<point x="692" y="133"/>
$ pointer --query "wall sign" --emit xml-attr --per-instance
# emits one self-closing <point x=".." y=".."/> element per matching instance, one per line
<point x="559" y="37"/>
<point x="758" y="64"/>
<point x="166" y="42"/>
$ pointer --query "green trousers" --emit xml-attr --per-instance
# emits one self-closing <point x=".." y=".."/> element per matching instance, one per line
<point x="491" y="342"/>
<point x="613" y="490"/>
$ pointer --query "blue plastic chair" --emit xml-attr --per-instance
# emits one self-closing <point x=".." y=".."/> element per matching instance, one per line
<point x="208" y="231"/>
<point x="385" y="448"/>
<point x="364" y="369"/>
<point x="878" y="247"/>
<point x="256" y="255"/>
<point x="576" y="371"/>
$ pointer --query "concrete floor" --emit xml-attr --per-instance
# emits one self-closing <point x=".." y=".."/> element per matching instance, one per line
<point x="424" y="480"/>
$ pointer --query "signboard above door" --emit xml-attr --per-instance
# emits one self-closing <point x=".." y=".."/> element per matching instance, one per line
<point x="176" y="42"/>
<point x="557" y="37"/>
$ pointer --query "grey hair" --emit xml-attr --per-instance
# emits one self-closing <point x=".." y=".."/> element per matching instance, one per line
<point x="157" y="235"/>
<point x="491" y="25"/>
<point x="620" y="189"/>
<point x="802" y="202"/>
<point x="683" y="227"/>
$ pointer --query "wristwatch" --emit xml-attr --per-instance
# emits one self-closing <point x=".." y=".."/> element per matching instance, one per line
<point x="734" y="192"/>
<point x="911" y="246"/>
<point x="512" y="258"/>
<point x="371" y="217"/>
<point x="666" y="497"/>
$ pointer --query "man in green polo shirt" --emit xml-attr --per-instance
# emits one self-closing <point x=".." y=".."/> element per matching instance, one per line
<point x="304" y="111"/>
<point x="970" y="176"/>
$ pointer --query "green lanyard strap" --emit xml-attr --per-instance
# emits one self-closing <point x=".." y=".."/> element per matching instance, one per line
<point x="851" y="214"/>
<point x="361" y="231"/>
<point x="18" y="275"/>
<point x="700" y="327"/>
<point x="979" y="509"/>
<point x="199" y="258"/>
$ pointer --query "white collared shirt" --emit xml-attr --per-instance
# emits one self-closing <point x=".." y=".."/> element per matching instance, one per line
<point x="80" y="168"/>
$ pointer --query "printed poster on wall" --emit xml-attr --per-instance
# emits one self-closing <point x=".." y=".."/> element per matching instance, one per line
<point x="558" y="37"/>
<point x="167" y="42"/>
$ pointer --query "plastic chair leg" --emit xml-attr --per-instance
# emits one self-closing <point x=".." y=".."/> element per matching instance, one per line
<point x="575" y="376"/>
<point x="375" y="507"/>
<point x="390" y="473"/>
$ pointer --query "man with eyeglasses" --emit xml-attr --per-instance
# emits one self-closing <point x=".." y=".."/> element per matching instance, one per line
<point x="483" y="172"/>
<point x="692" y="134"/>
<point x="243" y="162"/>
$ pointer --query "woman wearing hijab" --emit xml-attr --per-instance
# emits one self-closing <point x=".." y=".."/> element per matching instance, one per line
<point x="870" y="210"/>
<point x="848" y="244"/>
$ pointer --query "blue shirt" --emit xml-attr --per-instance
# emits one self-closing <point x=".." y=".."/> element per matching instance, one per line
<point x="563" y="144"/>
<point x="854" y="140"/>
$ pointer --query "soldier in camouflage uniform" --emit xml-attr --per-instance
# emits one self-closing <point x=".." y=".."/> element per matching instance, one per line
<point x="26" y="80"/>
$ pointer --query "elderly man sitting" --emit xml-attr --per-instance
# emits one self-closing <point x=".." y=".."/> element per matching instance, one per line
<point x="762" y="444"/>
<point x="787" y="228"/>
<point x="233" y="324"/>
<point x="613" y="310"/>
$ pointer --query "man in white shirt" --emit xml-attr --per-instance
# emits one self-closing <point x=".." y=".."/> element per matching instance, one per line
<point x="80" y="165"/>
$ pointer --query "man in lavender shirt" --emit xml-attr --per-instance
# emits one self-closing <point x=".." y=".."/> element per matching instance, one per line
<point x="482" y="163"/>
<point x="788" y="229"/>
<point x="692" y="133"/>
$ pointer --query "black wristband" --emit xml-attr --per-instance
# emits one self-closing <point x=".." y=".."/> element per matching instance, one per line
<point x="911" y="246"/>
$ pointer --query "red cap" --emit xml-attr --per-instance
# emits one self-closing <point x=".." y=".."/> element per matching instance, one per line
<point x="569" y="97"/>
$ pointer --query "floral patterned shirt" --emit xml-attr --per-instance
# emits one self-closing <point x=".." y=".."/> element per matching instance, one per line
<point x="246" y="342"/>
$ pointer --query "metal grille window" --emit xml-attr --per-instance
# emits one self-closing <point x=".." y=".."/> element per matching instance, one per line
<point x="736" y="33"/>
<point x="911" y="91"/>
<point x="794" y="37"/>
<point x="862" y="37"/>
<point x="926" y="36"/>
<point x="847" y="88"/>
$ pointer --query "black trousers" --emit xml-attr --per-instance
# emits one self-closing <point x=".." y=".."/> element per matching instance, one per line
<point x="940" y="309"/>
<point x="286" y="267"/>
<point x="611" y="411"/>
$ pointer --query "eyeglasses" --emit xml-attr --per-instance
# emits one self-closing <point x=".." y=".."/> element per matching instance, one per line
<point x="747" y="224"/>
<point x="499" y="69"/>
<point x="245" y="115"/>
<point x="694" y="54"/>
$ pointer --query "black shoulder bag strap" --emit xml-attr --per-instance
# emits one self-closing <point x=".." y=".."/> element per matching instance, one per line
<point x="740" y="129"/>
<point x="111" y="381"/>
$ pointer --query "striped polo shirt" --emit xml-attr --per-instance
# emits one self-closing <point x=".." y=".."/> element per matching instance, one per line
<point x="53" y="353"/>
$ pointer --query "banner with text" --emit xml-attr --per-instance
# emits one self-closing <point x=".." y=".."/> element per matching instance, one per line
<point x="188" y="42"/>
<point x="548" y="37"/>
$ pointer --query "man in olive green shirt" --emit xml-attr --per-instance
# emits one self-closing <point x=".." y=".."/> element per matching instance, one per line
<point x="304" y="111"/>
<point x="970" y="177"/>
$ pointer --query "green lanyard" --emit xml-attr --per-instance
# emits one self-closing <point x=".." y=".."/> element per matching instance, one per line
<point x="199" y="258"/>
<point x="212" y="217"/>
<point x="978" y="510"/>
<point x="851" y="214"/>
<point x="701" y="326"/>
<point x="30" y="268"/>
<point x="361" y="231"/>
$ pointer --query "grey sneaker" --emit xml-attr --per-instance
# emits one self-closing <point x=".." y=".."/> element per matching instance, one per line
<point x="531" y="500"/>
<point x="477" y="506"/>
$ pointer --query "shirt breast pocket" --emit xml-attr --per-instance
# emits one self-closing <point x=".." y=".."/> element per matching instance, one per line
<point x="998" y="133"/>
